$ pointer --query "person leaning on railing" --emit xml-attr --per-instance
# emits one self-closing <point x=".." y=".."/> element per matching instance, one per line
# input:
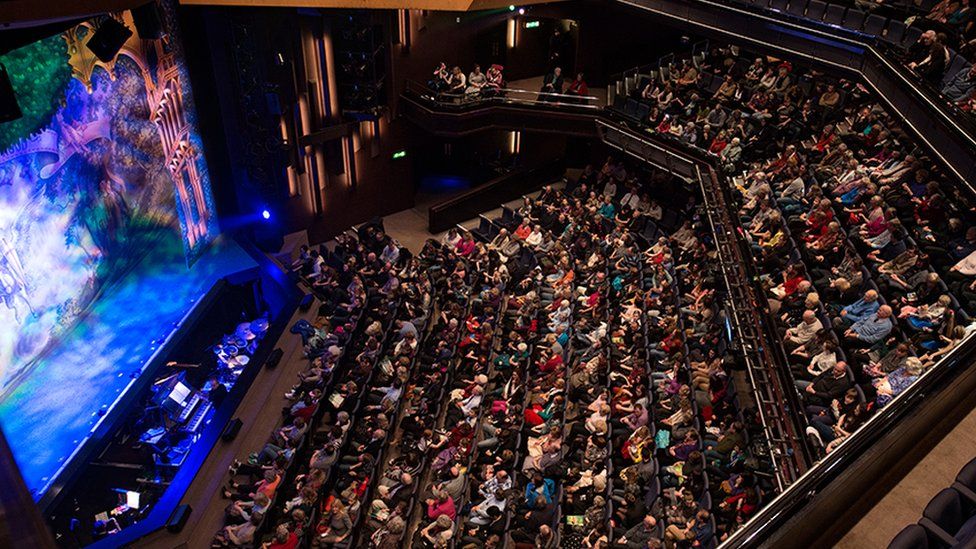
<point x="552" y="83"/>
<point x="578" y="88"/>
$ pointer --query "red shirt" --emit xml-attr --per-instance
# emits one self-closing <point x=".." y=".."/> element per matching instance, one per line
<point x="290" y="543"/>
<point x="578" y="87"/>
<point x="789" y="287"/>
<point x="552" y="363"/>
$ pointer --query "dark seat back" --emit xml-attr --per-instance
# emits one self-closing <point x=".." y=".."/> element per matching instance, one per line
<point x="854" y="19"/>
<point x="967" y="475"/>
<point x="798" y="7"/>
<point x="834" y="14"/>
<point x="875" y="24"/>
<point x="945" y="510"/>
<point x="895" y="33"/>
<point x="912" y="35"/>
<point x="911" y="537"/>
<point x="815" y="10"/>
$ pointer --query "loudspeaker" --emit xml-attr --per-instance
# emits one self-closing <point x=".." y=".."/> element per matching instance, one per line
<point x="148" y="21"/>
<point x="274" y="358"/>
<point x="9" y="108"/>
<point x="106" y="42"/>
<point x="306" y="303"/>
<point x="178" y="519"/>
<point x="230" y="432"/>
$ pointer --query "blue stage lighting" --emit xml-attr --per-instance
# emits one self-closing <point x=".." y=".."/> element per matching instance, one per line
<point x="266" y="214"/>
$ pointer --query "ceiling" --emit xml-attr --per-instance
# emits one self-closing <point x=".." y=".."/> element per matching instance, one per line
<point x="16" y="14"/>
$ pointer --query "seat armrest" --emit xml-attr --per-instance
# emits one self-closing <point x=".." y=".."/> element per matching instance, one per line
<point x="937" y="531"/>
<point x="964" y="491"/>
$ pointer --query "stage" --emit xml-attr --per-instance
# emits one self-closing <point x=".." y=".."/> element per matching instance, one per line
<point x="51" y="410"/>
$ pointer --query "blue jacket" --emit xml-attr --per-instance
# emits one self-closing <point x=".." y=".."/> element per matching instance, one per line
<point x="861" y="309"/>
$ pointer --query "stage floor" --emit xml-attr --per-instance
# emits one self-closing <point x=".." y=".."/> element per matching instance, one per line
<point x="50" y="413"/>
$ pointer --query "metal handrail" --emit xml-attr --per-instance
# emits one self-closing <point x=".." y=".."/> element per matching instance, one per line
<point x="871" y="42"/>
<point x="771" y="515"/>
<point x="502" y="96"/>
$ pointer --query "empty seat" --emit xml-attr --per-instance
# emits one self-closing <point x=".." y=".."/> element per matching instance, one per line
<point x="798" y="7"/>
<point x="815" y="10"/>
<point x="834" y="14"/>
<point x="875" y="24"/>
<point x="619" y="100"/>
<point x="967" y="475"/>
<point x="631" y="108"/>
<point x="948" y="519"/>
<point x="911" y="537"/>
<point x="911" y="36"/>
<point x="778" y="5"/>
<point x="643" y="110"/>
<point x="484" y="229"/>
<point x="854" y="19"/>
<point x="895" y="32"/>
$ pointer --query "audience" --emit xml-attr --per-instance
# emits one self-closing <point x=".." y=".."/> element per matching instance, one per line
<point x="849" y="227"/>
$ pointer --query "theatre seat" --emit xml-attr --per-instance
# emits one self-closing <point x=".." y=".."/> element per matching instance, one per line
<point x="854" y="19"/>
<point x="895" y="32"/>
<point x="798" y="7"/>
<point x="815" y="10"/>
<point x="875" y="24"/>
<point x="948" y="519"/>
<point x="834" y="14"/>
<point x="957" y="63"/>
<point x="912" y="536"/>
<point x="912" y="35"/>
<point x="967" y="475"/>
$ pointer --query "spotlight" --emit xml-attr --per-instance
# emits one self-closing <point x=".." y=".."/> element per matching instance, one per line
<point x="521" y="11"/>
<point x="265" y="214"/>
<point x="106" y="42"/>
<point x="511" y="7"/>
<point x="9" y="109"/>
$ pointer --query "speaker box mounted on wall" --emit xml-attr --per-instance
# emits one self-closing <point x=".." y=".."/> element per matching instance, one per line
<point x="106" y="42"/>
<point x="9" y="108"/>
<point x="148" y="21"/>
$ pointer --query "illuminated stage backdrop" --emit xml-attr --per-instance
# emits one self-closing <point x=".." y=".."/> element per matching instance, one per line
<point x="99" y="181"/>
<point x="105" y="160"/>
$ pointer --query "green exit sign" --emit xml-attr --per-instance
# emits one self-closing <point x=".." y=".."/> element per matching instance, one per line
<point x="399" y="154"/>
<point x="532" y="24"/>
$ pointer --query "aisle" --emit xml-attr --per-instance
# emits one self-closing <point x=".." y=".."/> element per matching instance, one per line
<point x="903" y="504"/>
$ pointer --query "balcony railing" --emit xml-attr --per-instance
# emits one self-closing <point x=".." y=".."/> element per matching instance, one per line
<point x="502" y="96"/>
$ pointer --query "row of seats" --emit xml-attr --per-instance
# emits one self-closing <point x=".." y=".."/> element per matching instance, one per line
<point x="892" y="30"/>
<point x="949" y="519"/>
<point x="282" y="456"/>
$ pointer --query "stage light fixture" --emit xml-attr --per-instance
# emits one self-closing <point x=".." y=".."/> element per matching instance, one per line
<point x="521" y="11"/>
<point x="106" y="42"/>
<point x="265" y="214"/>
<point x="9" y="108"/>
<point x="511" y="7"/>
